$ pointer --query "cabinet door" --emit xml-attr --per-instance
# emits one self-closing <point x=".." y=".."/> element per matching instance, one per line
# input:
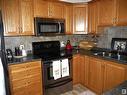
<point x="80" y="13"/>
<point x="56" y="10"/>
<point x="121" y="18"/>
<point x="76" y="69"/>
<point x="96" y="75"/>
<point x="10" y="11"/>
<point x="27" y="18"/>
<point x="86" y="74"/>
<point x="107" y="12"/>
<point x="114" y="75"/>
<point x="82" y="69"/>
<point x="41" y="8"/>
<point x="69" y="19"/>
<point x="93" y="17"/>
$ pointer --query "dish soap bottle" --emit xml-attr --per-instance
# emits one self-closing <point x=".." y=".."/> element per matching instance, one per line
<point x="68" y="45"/>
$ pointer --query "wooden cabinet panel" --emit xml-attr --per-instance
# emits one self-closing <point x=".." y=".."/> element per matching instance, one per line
<point x="96" y="75"/>
<point x="82" y="69"/>
<point x="26" y="77"/>
<point x="17" y="17"/>
<point x="69" y="18"/>
<point x="106" y="12"/>
<point x="27" y="21"/>
<point x="11" y="17"/>
<point x="112" y="12"/>
<point x="41" y="8"/>
<point x="86" y="66"/>
<point x="76" y="69"/>
<point x="114" y="75"/>
<point x="48" y="9"/>
<point x="121" y="16"/>
<point x="93" y="17"/>
<point x="56" y="10"/>
<point x="80" y="17"/>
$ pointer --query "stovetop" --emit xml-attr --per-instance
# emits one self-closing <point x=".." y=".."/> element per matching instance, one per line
<point x="63" y="54"/>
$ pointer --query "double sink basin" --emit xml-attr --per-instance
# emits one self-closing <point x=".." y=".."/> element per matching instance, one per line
<point x="111" y="55"/>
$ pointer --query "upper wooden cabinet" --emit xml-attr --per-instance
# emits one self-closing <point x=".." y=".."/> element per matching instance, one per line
<point x="40" y="8"/>
<point x="80" y="18"/>
<point x="56" y="10"/>
<point x="112" y="12"/>
<point x="48" y="9"/>
<point x="121" y="14"/>
<point x="17" y="17"/>
<point x="69" y="18"/>
<point x="92" y="17"/>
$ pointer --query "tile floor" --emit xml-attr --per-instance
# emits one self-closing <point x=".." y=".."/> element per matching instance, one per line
<point x="79" y="90"/>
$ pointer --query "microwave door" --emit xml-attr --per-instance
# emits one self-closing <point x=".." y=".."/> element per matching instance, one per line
<point x="49" y="27"/>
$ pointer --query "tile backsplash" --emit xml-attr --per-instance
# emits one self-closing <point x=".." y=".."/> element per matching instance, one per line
<point x="107" y="33"/>
<point x="12" y="42"/>
<point x="104" y="39"/>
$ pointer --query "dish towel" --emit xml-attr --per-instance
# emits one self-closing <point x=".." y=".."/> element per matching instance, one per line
<point x="65" y="67"/>
<point x="56" y="69"/>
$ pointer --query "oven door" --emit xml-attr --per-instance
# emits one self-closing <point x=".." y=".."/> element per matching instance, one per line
<point x="49" y="81"/>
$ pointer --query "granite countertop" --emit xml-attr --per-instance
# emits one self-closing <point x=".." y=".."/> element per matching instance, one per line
<point x="28" y="58"/>
<point x="113" y="58"/>
<point x="91" y="53"/>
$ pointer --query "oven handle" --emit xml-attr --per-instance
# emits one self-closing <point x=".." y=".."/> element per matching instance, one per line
<point x="59" y="84"/>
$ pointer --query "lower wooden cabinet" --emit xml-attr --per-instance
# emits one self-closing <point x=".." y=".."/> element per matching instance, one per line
<point x="114" y="75"/>
<point x="97" y="74"/>
<point x="26" y="78"/>
<point x="76" y="69"/>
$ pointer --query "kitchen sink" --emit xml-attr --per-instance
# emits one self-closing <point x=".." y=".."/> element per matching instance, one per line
<point x="110" y="55"/>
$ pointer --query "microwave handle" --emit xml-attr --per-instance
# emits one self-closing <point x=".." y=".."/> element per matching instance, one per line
<point x="59" y="27"/>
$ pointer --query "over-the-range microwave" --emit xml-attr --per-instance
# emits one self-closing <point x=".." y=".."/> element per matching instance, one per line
<point x="49" y="26"/>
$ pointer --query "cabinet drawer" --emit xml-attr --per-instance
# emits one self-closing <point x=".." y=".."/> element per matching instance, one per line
<point x="20" y="91"/>
<point x="24" y="65"/>
<point x="25" y="81"/>
<point x="20" y="74"/>
<point x="35" y="88"/>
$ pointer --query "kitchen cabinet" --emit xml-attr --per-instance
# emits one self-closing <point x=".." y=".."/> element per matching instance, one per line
<point x="121" y="14"/>
<point x="41" y="8"/>
<point x="105" y="75"/>
<point x="69" y="18"/>
<point x="112" y="12"/>
<point x="92" y="17"/>
<point x="80" y="69"/>
<point x="48" y="9"/>
<point x="96" y="72"/>
<point x="84" y="69"/>
<point x="26" y="78"/>
<point x="114" y="75"/>
<point x="80" y="18"/>
<point x="76" y="69"/>
<point x="17" y="17"/>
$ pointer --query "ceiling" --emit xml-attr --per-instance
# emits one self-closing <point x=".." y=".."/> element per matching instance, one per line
<point x="76" y="1"/>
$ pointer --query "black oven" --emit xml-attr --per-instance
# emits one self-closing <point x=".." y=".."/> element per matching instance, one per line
<point x="49" y="51"/>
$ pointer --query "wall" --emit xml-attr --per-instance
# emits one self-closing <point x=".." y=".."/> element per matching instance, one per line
<point x="12" y="42"/>
<point x="107" y="33"/>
